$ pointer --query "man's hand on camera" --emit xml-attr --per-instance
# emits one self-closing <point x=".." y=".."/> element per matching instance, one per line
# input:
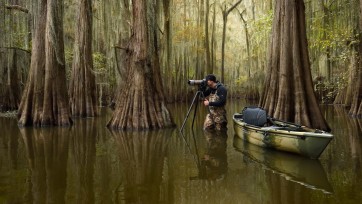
<point x="206" y="102"/>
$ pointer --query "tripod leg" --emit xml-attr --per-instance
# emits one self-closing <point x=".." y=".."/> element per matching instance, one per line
<point x="188" y="112"/>
<point x="193" y="120"/>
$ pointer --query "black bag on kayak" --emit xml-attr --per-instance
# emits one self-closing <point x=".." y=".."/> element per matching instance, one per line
<point x="254" y="116"/>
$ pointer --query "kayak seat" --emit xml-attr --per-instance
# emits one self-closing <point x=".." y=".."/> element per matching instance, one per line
<point x="254" y="116"/>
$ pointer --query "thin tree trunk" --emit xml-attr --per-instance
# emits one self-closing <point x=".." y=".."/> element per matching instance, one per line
<point x="213" y="42"/>
<point x="224" y="18"/>
<point x="207" y="40"/>
<point x="225" y="13"/>
<point x="2" y="24"/>
<point x="82" y="89"/>
<point x="45" y="100"/>
<point x="288" y="92"/>
<point x="141" y="104"/>
<point x="247" y="42"/>
<point x="326" y="25"/>
<point x="168" y="42"/>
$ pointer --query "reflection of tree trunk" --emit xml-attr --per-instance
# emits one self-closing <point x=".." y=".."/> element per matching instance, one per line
<point x="47" y="152"/>
<point x="283" y="191"/>
<point x="143" y="156"/>
<point x="288" y="91"/>
<point x="104" y="163"/>
<point x="84" y="149"/>
<point x="351" y="145"/>
<point x="13" y="133"/>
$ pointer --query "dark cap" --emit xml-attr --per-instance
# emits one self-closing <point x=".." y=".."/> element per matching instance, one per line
<point x="210" y="77"/>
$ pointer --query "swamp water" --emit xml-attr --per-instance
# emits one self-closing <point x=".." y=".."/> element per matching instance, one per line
<point x="87" y="163"/>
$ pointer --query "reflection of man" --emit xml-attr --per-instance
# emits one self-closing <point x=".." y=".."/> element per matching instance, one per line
<point x="214" y="162"/>
<point x="216" y="100"/>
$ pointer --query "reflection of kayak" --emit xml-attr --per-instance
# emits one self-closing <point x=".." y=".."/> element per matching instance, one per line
<point x="254" y="126"/>
<point x="302" y="170"/>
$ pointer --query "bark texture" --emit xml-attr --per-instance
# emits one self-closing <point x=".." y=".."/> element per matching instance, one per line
<point x="141" y="104"/>
<point x="356" y="106"/>
<point x="288" y="92"/>
<point x="45" y="101"/>
<point x="14" y="64"/>
<point x="82" y="89"/>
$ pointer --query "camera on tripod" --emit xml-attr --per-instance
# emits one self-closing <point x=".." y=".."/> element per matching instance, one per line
<point x="199" y="95"/>
<point x="202" y="83"/>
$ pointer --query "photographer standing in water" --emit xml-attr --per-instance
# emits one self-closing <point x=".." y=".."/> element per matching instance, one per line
<point x="215" y="99"/>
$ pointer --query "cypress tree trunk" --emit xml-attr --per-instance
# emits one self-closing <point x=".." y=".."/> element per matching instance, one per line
<point x="141" y="104"/>
<point x="45" y="100"/>
<point x="83" y="100"/>
<point x="356" y="106"/>
<point x="10" y="92"/>
<point x="288" y="92"/>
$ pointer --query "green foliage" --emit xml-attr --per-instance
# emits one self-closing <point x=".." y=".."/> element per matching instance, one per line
<point x="329" y="38"/>
<point x="15" y="29"/>
<point x="263" y="24"/>
<point x="241" y="80"/>
<point x="68" y="52"/>
<point x="261" y="29"/>
<point x="99" y="62"/>
<point x="326" y="92"/>
<point x="188" y="37"/>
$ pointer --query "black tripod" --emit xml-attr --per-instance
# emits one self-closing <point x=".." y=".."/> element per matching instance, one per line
<point x="199" y="94"/>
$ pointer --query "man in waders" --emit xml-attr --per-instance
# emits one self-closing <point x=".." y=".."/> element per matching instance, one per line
<point x="215" y="99"/>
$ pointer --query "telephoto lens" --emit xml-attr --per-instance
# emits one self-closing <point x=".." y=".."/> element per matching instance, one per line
<point x="196" y="82"/>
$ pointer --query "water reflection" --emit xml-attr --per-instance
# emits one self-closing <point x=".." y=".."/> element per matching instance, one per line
<point x="10" y="138"/>
<point x="214" y="163"/>
<point x="142" y="156"/>
<point x="83" y="149"/>
<point x="89" y="164"/>
<point x="47" y="153"/>
<point x="307" y="172"/>
<point x="343" y="158"/>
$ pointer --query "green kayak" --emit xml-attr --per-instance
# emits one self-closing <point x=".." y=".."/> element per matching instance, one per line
<point x="254" y="126"/>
